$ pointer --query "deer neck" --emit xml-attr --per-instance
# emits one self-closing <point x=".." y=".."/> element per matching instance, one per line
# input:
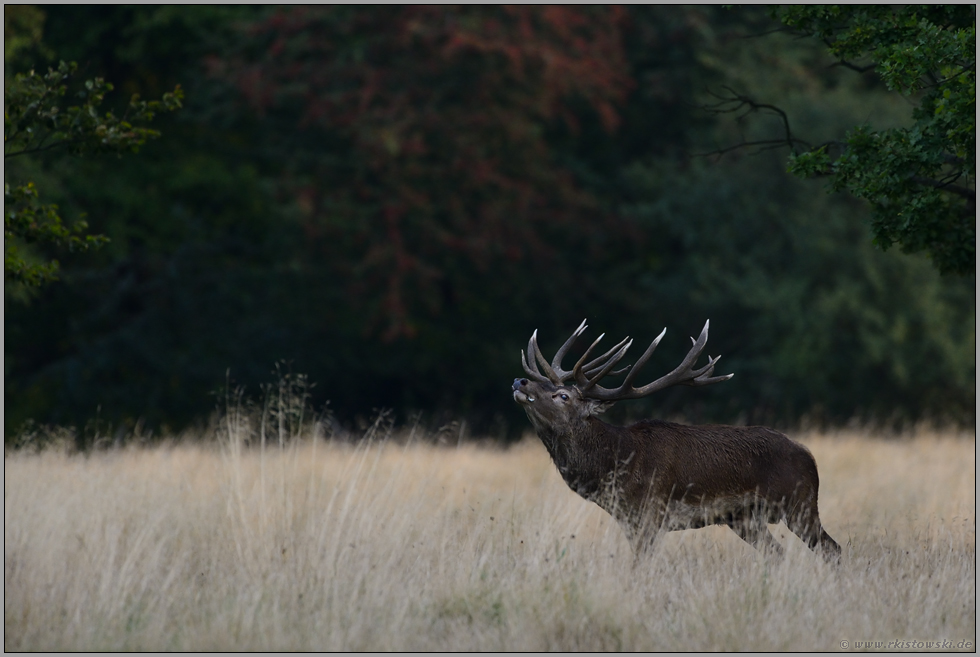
<point x="587" y="453"/>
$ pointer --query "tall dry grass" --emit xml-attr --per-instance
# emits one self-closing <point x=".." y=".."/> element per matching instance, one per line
<point x="387" y="546"/>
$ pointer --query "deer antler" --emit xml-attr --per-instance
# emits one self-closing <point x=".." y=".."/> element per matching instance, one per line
<point x="683" y="374"/>
<point x="554" y="371"/>
<point x="588" y="374"/>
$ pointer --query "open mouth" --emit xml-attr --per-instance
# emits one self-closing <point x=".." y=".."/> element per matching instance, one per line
<point x="522" y="398"/>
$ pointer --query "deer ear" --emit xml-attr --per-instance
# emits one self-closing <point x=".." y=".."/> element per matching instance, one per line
<point x="594" y="406"/>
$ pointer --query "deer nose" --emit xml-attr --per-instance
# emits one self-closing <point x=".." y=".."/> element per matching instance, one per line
<point x="519" y="382"/>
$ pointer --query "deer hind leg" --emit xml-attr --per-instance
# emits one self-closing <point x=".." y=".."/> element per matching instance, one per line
<point x="807" y="526"/>
<point x="753" y="530"/>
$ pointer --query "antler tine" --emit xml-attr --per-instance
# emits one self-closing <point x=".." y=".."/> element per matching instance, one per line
<point x="552" y="372"/>
<point x="584" y="373"/>
<point x="680" y="374"/>
<point x="532" y="372"/>
<point x="577" y="369"/>
<point x="564" y="375"/>
<point x="560" y="354"/>
<point x="587" y="384"/>
<point x="588" y="375"/>
<point x="641" y="361"/>
<point x="533" y="357"/>
<point x="600" y="362"/>
<point x="533" y="348"/>
<point x="683" y="374"/>
<point x="702" y="377"/>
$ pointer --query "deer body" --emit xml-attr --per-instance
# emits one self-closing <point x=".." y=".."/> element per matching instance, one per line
<point x="657" y="476"/>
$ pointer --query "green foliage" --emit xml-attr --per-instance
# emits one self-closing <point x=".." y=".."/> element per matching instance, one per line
<point x="37" y="120"/>
<point x="26" y="220"/>
<point x="23" y="26"/>
<point x="919" y="180"/>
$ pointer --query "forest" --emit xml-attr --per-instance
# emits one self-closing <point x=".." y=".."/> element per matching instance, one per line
<point x="379" y="205"/>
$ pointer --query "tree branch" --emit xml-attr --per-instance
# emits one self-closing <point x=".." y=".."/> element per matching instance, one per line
<point x="738" y="102"/>
<point x="959" y="190"/>
<point x="853" y="67"/>
<point x="39" y="149"/>
<point x="769" y="143"/>
<point x="775" y="30"/>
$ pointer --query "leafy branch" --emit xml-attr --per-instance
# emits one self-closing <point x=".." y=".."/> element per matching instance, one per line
<point x="28" y="221"/>
<point x="921" y="181"/>
<point x="37" y="120"/>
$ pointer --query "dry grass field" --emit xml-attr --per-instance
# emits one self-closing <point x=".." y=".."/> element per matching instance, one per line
<point x="400" y="546"/>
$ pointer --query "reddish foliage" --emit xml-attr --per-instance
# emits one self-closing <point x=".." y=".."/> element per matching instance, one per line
<point x="441" y="114"/>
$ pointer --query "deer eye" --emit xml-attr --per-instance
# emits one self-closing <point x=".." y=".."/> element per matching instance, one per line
<point x="564" y="397"/>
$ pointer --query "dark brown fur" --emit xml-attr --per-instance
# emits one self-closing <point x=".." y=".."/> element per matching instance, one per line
<point x="658" y="476"/>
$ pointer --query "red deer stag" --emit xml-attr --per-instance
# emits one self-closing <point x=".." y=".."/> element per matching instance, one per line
<point x="657" y="476"/>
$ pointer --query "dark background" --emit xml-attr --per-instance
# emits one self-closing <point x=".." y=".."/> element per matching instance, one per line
<point x="390" y="200"/>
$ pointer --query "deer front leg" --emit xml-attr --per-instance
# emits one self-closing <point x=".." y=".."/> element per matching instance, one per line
<point x="643" y="533"/>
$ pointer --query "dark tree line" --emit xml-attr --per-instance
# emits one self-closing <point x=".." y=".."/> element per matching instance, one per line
<point x="392" y="199"/>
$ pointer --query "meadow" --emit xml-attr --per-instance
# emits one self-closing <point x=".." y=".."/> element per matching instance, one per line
<point x="395" y="543"/>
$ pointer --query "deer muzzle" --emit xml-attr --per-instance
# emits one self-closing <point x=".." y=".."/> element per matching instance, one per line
<point x="521" y="395"/>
